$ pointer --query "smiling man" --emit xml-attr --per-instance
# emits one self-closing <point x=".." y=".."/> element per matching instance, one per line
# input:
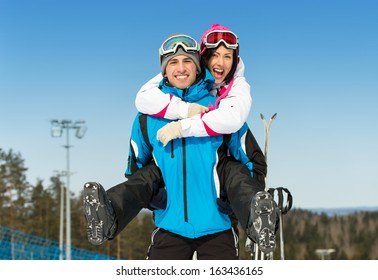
<point x="180" y="67"/>
<point x="191" y="220"/>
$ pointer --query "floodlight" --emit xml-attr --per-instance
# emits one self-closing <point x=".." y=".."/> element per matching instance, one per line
<point x="56" y="129"/>
<point x="80" y="131"/>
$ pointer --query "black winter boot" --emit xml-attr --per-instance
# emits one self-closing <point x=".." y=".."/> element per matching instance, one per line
<point x="99" y="213"/>
<point x="261" y="226"/>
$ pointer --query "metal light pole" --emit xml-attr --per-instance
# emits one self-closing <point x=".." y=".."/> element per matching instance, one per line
<point x="57" y="131"/>
<point x="61" y="217"/>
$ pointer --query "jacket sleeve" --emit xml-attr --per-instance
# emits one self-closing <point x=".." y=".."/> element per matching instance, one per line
<point x="231" y="114"/>
<point x="243" y="147"/>
<point x="152" y="101"/>
<point x="229" y="117"/>
<point x="140" y="150"/>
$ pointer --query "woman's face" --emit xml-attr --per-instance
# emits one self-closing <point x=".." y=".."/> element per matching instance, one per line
<point x="220" y="63"/>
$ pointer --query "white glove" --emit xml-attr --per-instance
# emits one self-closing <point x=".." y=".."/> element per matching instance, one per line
<point x="169" y="132"/>
<point x="195" y="109"/>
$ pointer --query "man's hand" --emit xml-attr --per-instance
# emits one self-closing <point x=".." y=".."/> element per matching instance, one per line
<point x="195" y="109"/>
<point x="169" y="132"/>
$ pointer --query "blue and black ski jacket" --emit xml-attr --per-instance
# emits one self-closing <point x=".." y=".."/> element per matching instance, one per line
<point x="190" y="167"/>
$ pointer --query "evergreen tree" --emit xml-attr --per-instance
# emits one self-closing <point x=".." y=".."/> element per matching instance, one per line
<point x="14" y="190"/>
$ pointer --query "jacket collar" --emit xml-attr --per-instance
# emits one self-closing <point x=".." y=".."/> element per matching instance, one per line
<point x="195" y="92"/>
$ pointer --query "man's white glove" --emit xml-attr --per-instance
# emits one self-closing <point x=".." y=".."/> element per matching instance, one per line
<point x="169" y="132"/>
<point x="195" y="109"/>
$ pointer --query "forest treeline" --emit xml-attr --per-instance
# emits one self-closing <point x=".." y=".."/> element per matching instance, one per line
<point x="34" y="209"/>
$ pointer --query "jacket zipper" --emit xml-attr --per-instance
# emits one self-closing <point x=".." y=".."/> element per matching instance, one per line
<point x="172" y="150"/>
<point x="184" y="91"/>
<point x="184" y="178"/>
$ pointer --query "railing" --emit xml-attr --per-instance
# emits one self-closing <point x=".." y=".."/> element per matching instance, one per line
<point x="16" y="245"/>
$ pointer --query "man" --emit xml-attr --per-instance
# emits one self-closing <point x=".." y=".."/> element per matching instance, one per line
<point x="191" y="220"/>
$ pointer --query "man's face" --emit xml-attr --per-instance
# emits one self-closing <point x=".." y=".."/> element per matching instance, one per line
<point x="181" y="71"/>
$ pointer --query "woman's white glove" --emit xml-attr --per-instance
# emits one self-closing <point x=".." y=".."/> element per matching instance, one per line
<point x="169" y="132"/>
<point x="195" y="109"/>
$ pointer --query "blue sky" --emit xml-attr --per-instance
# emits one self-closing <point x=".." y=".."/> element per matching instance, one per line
<point x="314" y="63"/>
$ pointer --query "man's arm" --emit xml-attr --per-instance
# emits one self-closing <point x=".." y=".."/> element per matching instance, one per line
<point x="140" y="152"/>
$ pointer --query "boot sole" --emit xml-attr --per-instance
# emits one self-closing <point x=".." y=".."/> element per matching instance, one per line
<point x="266" y="236"/>
<point x="91" y="206"/>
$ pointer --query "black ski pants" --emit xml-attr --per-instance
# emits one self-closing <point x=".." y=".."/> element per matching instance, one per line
<point x="239" y="187"/>
<point x="169" y="246"/>
<point x="131" y="196"/>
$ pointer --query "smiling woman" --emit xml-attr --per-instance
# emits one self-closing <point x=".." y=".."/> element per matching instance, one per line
<point x="220" y="61"/>
<point x="220" y="52"/>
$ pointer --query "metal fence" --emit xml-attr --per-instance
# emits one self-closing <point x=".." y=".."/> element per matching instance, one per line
<point x="16" y="245"/>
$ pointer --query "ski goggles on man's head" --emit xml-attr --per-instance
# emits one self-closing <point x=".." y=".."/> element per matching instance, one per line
<point x="214" y="38"/>
<point x="171" y="44"/>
